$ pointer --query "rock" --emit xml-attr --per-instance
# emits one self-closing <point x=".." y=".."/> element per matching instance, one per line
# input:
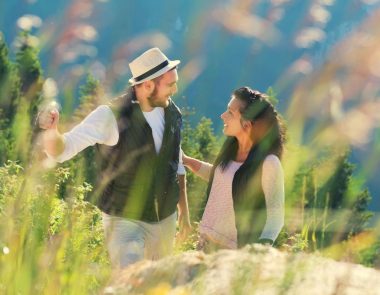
<point x="255" y="269"/>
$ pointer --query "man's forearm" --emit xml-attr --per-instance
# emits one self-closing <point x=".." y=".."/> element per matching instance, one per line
<point x="183" y="211"/>
<point x="183" y="207"/>
<point x="53" y="142"/>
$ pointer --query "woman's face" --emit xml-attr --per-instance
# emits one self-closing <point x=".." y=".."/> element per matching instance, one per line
<point x="232" y="118"/>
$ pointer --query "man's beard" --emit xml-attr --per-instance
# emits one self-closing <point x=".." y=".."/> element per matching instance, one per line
<point x="155" y="102"/>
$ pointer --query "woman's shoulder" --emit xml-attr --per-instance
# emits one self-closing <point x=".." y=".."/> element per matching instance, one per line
<point x="271" y="161"/>
<point x="272" y="173"/>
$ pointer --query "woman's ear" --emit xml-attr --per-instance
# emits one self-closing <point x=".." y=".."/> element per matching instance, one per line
<point x="247" y="124"/>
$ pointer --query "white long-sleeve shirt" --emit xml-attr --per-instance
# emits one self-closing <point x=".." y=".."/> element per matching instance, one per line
<point x="100" y="127"/>
<point x="220" y="205"/>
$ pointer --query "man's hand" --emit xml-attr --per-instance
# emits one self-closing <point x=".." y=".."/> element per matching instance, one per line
<point x="52" y="140"/>
<point x="183" y="211"/>
<point x="184" y="227"/>
<point x="48" y="119"/>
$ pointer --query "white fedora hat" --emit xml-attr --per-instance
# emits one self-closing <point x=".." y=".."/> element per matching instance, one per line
<point x="149" y="65"/>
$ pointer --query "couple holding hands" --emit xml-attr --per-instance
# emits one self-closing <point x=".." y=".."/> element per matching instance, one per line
<point x="141" y="174"/>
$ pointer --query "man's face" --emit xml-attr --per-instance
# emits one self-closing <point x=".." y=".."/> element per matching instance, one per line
<point x="164" y="88"/>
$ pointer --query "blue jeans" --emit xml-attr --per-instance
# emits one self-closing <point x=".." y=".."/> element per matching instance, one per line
<point x="130" y="240"/>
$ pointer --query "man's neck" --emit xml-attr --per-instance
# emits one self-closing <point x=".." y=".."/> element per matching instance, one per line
<point x="143" y="101"/>
<point x="146" y="107"/>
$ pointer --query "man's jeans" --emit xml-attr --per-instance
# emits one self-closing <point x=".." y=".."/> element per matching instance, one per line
<point x="130" y="240"/>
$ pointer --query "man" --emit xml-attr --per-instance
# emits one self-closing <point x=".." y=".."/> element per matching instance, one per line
<point x="138" y="151"/>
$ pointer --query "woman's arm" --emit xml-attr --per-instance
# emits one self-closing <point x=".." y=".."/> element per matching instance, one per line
<point x="199" y="168"/>
<point x="272" y="182"/>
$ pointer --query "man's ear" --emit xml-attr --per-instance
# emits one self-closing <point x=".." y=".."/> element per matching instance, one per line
<point x="148" y="86"/>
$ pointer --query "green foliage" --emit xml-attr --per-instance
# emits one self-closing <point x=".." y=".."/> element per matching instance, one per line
<point x="192" y="241"/>
<point x="29" y="67"/>
<point x="6" y="140"/>
<point x="9" y="182"/>
<point x="333" y="207"/>
<point x="52" y="244"/>
<point x="91" y="95"/>
<point x="370" y="256"/>
<point x="272" y="95"/>
<point x="201" y="143"/>
<point x="297" y="243"/>
<point x="51" y="239"/>
<point x="31" y="81"/>
<point x="90" y="89"/>
<point x="22" y="132"/>
<point x="360" y="216"/>
<point x="20" y="87"/>
<point x="9" y="84"/>
<point x="4" y="62"/>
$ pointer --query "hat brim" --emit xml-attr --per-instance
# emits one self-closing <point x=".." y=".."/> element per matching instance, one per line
<point x="172" y="64"/>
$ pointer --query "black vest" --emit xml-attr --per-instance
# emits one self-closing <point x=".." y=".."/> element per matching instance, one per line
<point x="248" y="198"/>
<point x="135" y="182"/>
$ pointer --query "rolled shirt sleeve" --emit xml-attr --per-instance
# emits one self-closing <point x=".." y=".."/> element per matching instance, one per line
<point x="181" y="168"/>
<point x="99" y="126"/>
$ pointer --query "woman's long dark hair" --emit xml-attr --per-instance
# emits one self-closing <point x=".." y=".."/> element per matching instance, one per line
<point x="256" y="107"/>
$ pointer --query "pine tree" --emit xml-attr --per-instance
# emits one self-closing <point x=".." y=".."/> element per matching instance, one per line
<point x="206" y="139"/>
<point x="29" y="70"/>
<point x="84" y="166"/>
<point x="201" y="143"/>
<point x="91" y="95"/>
<point x="9" y="84"/>
<point x="30" y="73"/>
<point x="335" y="210"/>
<point x="5" y="69"/>
<point x="9" y="96"/>
<point x="360" y="215"/>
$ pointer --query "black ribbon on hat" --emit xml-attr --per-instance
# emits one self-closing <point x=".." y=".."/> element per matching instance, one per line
<point x="152" y="71"/>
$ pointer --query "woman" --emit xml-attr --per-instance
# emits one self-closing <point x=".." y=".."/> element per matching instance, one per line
<point x="245" y="196"/>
